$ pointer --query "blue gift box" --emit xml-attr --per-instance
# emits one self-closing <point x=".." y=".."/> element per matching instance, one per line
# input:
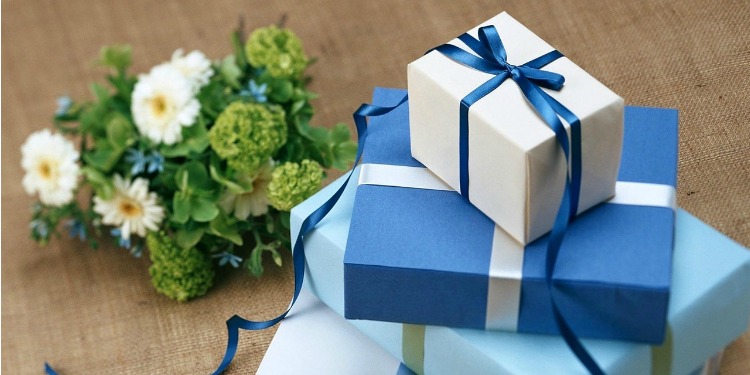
<point x="425" y="256"/>
<point x="708" y="308"/>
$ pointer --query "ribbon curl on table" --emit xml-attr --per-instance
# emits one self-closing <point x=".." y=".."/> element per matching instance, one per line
<point x="492" y="59"/>
<point x="236" y="322"/>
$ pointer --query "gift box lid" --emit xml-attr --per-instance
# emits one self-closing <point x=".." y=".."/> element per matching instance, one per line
<point x="426" y="256"/>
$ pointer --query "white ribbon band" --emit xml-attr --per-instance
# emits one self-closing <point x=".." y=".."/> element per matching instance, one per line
<point x="644" y="194"/>
<point x="506" y="262"/>
<point x="400" y="176"/>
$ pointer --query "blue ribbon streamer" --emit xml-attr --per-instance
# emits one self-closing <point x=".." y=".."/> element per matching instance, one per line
<point x="236" y="322"/>
<point x="48" y="369"/>
<point x="491" y="58"/>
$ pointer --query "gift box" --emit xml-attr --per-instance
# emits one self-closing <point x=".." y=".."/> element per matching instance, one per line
<point x="419" y="254"/>
<point x="514" y="164"/>
<point x="708" y="308"/>
<point x="313" y="339"/>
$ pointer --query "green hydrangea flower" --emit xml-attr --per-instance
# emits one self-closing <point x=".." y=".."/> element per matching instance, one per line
<point x="180" y="274"/>
<point x="248" y="134"/>
<point x="277" y="50"/>
<point x="292" y="183"/>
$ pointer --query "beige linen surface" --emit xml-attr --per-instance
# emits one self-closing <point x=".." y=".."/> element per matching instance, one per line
<point x="92" y="312"/>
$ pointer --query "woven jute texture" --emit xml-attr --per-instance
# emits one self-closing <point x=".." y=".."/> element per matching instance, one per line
<point x="95" y="312"/>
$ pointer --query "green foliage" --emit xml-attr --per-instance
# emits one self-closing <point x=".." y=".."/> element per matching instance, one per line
<point x="117" y="57"/>
<point x="248" y="134"/>
<point x="254" y="109"/>
<point x="277" y="50"/>
<point x="178" y="273"/>
<point x="292" y="183"/>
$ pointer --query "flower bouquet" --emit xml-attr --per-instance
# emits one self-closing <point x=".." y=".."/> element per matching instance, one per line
<point x="197" y="161"/>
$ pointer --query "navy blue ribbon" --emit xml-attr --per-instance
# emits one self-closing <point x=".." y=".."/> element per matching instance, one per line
<point x="491" y="58"/>
<point x="235" y="323"/>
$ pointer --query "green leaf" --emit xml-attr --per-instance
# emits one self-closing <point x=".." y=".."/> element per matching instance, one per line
<point x="203" y="210"/>
<point x="118" y="57"/>
<point x="297" y="106"/>
<point x="280" y="91"/>
<point x="239" y="49"/>
<point x="188" y="238"/>
<point x="225" y="228"/>
<point x="340" y="133"/>
<point x="103" y="157"/>
<point x="230" y="72"/>
<point x="255" y="262"/>
<point x="194" y="141"/>
<point x="321" y="136"/>
<point x="193" y="176"/>
<point x="120" y="132"/>
<point x="276" y="257"/>
<point x="101" y="184"/>
<point x="284" y="218"/>
<point x="234" y="187"/>
<point x="181" y="207"/>
<point x="343" y="155"/>
<point x="100" y="92"/>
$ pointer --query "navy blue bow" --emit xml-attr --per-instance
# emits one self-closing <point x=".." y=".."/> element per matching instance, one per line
<point x="491" y="58"/>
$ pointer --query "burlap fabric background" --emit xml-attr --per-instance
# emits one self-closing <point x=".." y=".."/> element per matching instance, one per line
<point x="90" y="311"/>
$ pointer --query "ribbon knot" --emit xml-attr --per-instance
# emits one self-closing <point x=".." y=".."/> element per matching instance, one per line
<point x="490" y="57"/>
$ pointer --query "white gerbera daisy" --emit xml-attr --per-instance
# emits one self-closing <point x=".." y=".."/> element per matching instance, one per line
<point x="164" y="102"/>
<point x="132" y="208"/>
<point x="50" y="163"/>
<point x="194" y="66"/>
<point x="255" y="201"/>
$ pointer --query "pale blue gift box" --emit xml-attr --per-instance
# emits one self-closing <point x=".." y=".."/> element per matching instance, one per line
<point x="708" y="308"/>
<point x="428" y="256"/>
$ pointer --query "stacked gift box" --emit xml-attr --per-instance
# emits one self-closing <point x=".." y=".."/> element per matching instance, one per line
<point x="451" y="277"/>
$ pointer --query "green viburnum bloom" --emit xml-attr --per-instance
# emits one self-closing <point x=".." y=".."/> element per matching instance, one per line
<point x="277" y="50"/>
<point x="180" y="274"/>
<point x="292" y="183"/>
<point x="248" y="134"/>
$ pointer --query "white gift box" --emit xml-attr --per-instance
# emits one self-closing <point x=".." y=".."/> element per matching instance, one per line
<point x="516" y="168"/>
<point x="314" y="340"/>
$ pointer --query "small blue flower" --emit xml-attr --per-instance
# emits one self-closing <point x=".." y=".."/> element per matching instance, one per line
<point x="63" y="105"/>
<point x="122" y="242"/>
<point x="138" y="159"/>
<point x="257" y="92"/>
<point x="76" y="229"/>
<point x="137" y="250"/>
<point x="155" y="162"/>
<point x="227" y="257"/>
<point x="40" y="228"/>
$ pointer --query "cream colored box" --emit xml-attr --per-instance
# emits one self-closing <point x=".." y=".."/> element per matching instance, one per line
<point x="516" y="168"/>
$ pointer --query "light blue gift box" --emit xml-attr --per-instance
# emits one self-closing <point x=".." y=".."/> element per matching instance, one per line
<point x="708" y="308"/>
<point x="425" y="256"/>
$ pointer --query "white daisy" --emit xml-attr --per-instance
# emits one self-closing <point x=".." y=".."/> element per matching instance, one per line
<point x="132" y="208"/>
<point x="194" y="66"/>
<point x="255" y="201"/>
<point x="50" y="163"/>
<point x="164" y="102"/>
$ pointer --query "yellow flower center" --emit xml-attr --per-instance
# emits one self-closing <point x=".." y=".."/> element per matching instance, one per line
<point x="45" y="169"/>
<point x="159" y="105"/>
<point x="130" y="209"/>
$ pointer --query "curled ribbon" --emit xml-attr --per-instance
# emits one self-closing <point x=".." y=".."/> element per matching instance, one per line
<point x="236" y="322"/>
<point x="492" y="59"/>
